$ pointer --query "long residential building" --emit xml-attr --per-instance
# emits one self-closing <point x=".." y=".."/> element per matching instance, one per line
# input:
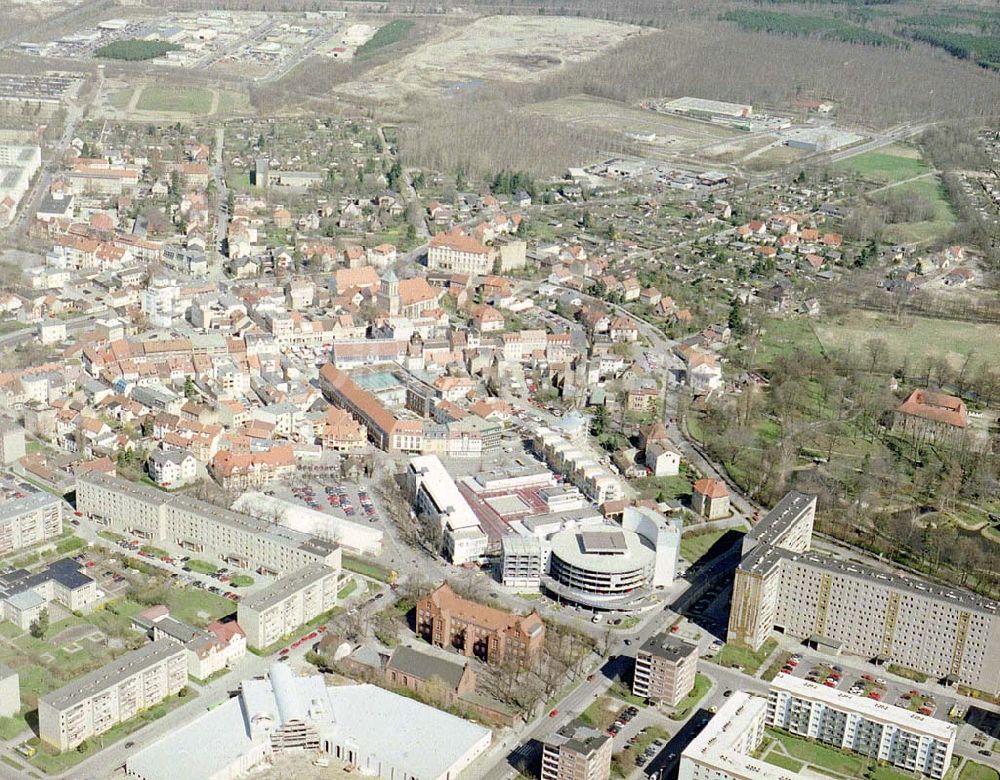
<point x="291" y="602"/>
<point x="459" y="252"/>
<point x="945" y="632"/>
<point x="29" y="520"/>
<point x="242" y="541"/>
<point x="116" y="692"/>
<point x="905" y="739"/>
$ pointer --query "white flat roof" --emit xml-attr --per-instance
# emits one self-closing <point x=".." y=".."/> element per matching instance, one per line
<point x="438" y="484"/>
<point x="866" y="707"/>
<point x="589" y="550"/>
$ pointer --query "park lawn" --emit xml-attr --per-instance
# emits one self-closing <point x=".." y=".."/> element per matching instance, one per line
<point x="601" y="713"/>
<point x="819" y="755"/>
<point x="694" y="544"/>
<point x="890" y="164"/>
<point x="241" y="581"/>
<point x="69" y="544"/>
<point x="917" y="338"/>
<point x="735" y="656"/>
<point x="976" y="771"/>
<point x="777" y="759"/>
<point x="122" y="98"/>
<point x="186" y="100"/>
<point x="201" y="567"/>
<point x="685" y="705"/>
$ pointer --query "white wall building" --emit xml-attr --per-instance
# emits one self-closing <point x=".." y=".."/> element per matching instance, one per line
<point x="905" y="739"/>
<point x="436" y="495"/>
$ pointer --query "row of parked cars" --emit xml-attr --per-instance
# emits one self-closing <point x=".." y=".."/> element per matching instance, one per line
<point x="623" y="718"/>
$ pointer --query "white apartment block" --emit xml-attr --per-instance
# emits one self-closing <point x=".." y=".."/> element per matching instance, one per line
<point x="288" y="604"/>
<point x="780" y="586"/>
<point x="580" y="466"/>
<point x="907" y="740"/>
<point x="241" y="541"/>
<point x="30" y="520"/>
<point x="723" y="749"/>
<point x="115" y="693"/>
<point x="11" y="443"/>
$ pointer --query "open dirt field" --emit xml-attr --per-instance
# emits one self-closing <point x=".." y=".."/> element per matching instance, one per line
<point x="496" y="48"/>
<point x="673" y="134"/>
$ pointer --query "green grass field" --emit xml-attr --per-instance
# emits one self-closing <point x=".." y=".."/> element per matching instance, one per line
<point x="932" y="190"/>
<point x="784" y="337"/>
<point x="367" y="568"/>
<point x="601" y="713"/>
<point x="894" y="163"/>
<point x="743" y="657"/>
<point x="694" y="544"/>
<point x="976" y="771"/>
<point x="202" y="567"/>
<point x="784" y="762"/>
<point x="916" y="337"/>
<point x="185" y="100"/>
<point x="819" y="755"/>
<point x="685" y="705"/>
<point x="385" y="36"/>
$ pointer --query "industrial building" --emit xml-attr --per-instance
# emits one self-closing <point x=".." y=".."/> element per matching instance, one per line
<point x="843" y="606"/>
<point x="244" y="542"/>
<point x="375" y="731"/>
<point x="288" y="604"/>
<point x="905" y="739"/>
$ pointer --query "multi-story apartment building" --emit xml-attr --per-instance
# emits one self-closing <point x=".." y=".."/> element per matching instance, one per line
<point x="665" y="668"/>
<point x="779" y="585"/>
<point x="492" y="635"/>
<point x="11" y="443"/>
<point x="459" y="252"/>
<point x="242" y="541"/>
<point x="29" y="520"/>
<point x="905" y="739"/>
<point x="723" y="750"/>
<point x="576" y="752"/>
<point x="291" y="602"/>
<point x="116" y="692"/>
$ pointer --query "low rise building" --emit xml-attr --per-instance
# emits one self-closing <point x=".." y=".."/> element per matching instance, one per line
<point x="113" y="694"/>
<point x="710" y="498"/>
<point x="279" y="609"/>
